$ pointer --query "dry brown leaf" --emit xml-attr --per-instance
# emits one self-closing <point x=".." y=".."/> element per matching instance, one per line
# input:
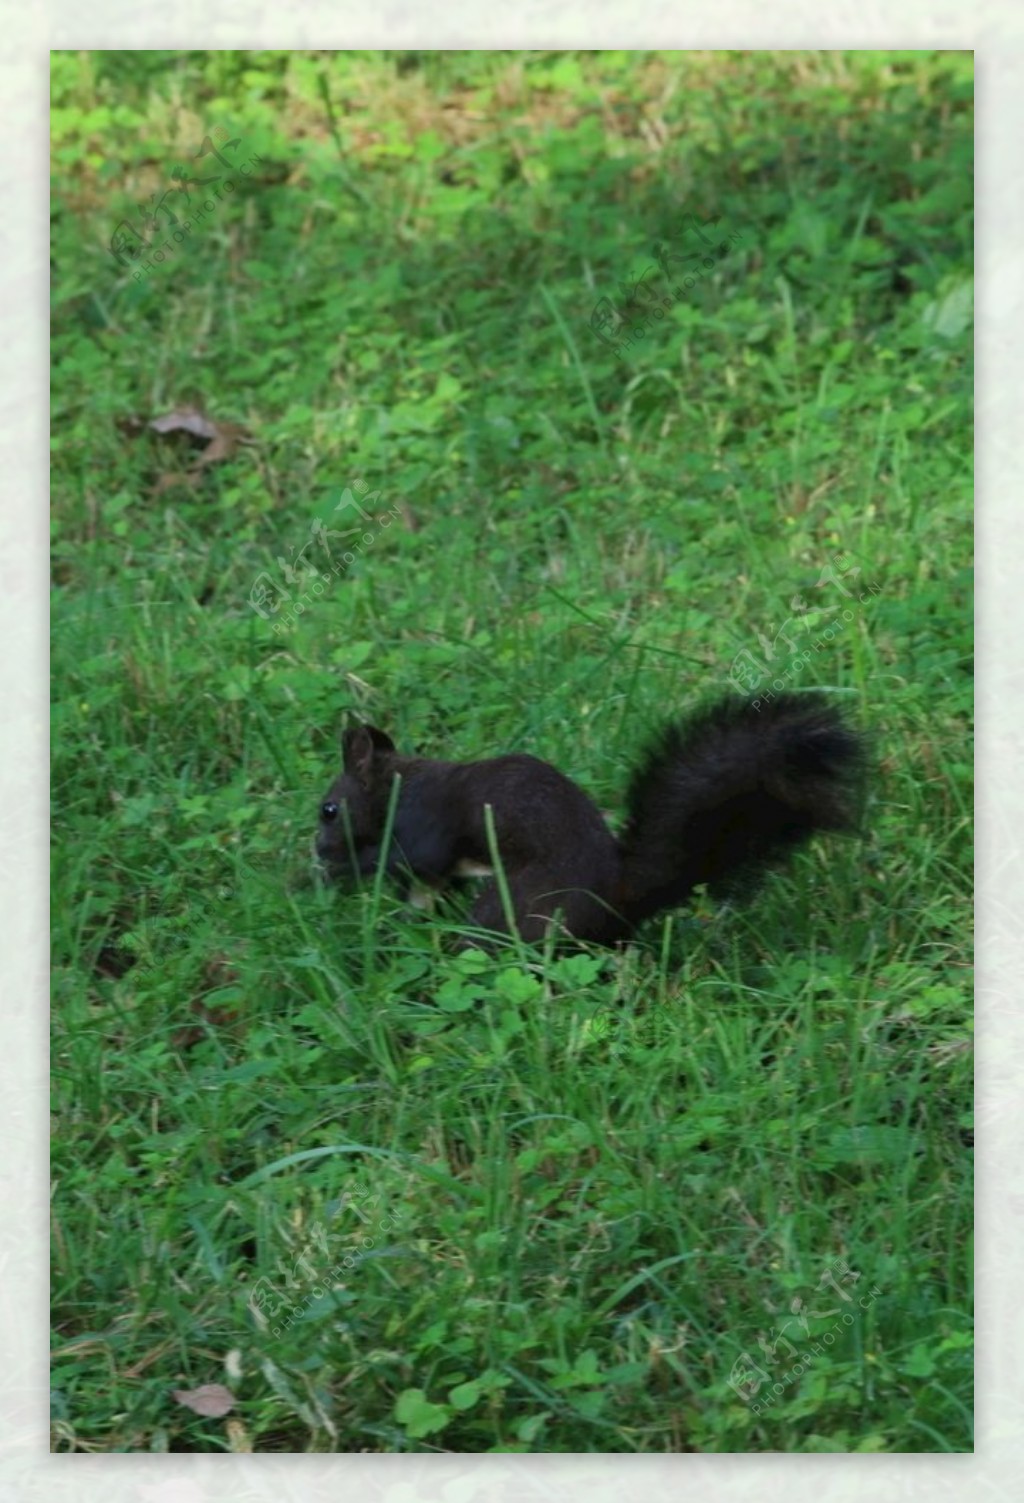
<point x="210" y="1400"/>
<point x="222" y="446"/>
<point x="185" y="420"/>
<point x="168" y="481"/>
<point x="222" y="439"/>
<point x="238" y="1437"/>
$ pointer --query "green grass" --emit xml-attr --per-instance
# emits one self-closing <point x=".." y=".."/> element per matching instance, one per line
<point x="591" y="1183"/>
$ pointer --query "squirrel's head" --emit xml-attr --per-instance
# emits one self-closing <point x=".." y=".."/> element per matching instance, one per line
<point x="354" y="809"/>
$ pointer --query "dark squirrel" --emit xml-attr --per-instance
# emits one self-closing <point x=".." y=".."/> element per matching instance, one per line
<point x="720" y="796"/>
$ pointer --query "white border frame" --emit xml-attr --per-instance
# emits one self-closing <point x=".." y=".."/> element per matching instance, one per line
<point x="27" y="1470"/>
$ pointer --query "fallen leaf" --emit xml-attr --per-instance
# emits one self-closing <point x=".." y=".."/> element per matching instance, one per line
<point x="185" y="420"/>
<point x="238" y="1437"/>
<point x="211" y="1399"/>
<point x="168" y="481"/>
<point x="222" y="439"/>
<point x="222" y="446"/>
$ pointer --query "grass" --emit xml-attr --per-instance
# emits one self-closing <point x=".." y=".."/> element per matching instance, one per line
<point x="396" y="1199"/>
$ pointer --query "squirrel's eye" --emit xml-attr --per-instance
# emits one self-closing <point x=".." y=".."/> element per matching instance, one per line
<point x="328" y="811"/>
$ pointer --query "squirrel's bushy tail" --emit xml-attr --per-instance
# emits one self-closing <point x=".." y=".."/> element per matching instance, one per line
<point x="731" y="790"/>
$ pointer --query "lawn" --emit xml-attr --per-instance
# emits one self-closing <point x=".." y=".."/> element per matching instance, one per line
<point x="512" y="402"/>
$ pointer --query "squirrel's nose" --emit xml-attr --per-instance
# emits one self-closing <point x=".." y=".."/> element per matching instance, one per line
<point x="328" y="811"/>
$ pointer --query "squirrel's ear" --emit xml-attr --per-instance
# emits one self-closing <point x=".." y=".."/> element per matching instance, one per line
<point x="360" y="745"/>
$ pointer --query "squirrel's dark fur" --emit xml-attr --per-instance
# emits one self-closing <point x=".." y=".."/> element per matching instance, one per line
<point x="722" y="794"/>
